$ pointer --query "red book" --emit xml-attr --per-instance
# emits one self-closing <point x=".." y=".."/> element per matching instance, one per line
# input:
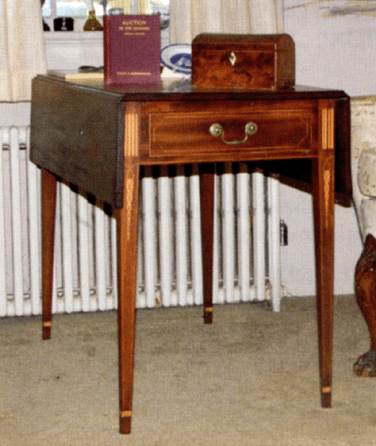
<point x="132" y="45"/>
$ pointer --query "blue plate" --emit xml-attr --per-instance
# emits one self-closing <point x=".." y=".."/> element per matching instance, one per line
<point x="177" y="58"/>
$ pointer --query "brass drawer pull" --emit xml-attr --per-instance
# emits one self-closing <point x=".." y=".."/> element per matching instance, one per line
<point x="217" y="130"/>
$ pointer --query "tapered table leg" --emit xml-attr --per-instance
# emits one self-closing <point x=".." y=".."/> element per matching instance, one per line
<point x="323" y="199"/>
<point x="127" y="223"/>
<point x="207" y="230"/>
<point x="49" y="187"/>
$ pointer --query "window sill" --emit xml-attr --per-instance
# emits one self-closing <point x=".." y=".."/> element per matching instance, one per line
<point x="68" y="50"/>
<point x="72" y="37"/>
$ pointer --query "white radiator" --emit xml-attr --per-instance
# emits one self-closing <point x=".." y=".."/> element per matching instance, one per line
<point x="246" y="253"/>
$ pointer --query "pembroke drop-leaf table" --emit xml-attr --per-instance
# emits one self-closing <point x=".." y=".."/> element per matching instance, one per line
<point x="97" y="138"/>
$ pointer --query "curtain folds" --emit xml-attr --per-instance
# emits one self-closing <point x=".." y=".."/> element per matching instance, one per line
<point x="22" y="50"/>
<point x="191" y="17"/>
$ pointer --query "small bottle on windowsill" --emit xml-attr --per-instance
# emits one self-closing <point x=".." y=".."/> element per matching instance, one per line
<point x="92" y="23"/>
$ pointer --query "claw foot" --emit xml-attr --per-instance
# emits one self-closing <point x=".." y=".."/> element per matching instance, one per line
<point x="365" y="366"/>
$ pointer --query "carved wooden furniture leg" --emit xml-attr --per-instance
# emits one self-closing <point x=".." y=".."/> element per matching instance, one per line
<point x="207" y="230"/>
<point x="365" y="287"/>
<point x="323" y="199"/>
<point x="49" y="187"/>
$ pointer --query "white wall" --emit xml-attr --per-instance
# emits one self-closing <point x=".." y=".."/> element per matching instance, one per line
<point x="335" y="43"/>
<point x="336" y="48"/>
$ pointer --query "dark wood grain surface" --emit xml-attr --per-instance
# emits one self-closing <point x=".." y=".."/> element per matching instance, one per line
<point x="77" y="130"/>
<point x="75" y="134"/>
<point x="263" y="61"/>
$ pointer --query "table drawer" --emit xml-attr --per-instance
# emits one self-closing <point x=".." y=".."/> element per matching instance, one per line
<point x="175" y="133"/>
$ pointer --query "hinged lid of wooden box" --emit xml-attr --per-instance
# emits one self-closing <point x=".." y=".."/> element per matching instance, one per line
<point x="264" y="61"/>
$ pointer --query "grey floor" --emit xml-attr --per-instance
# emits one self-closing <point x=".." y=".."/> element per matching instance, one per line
<point x="249" y="379"/>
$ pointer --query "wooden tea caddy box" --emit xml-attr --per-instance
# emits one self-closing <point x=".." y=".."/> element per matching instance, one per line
<point x="255" y="62"/>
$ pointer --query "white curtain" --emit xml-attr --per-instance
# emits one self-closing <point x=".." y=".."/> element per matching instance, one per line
<point x="22" y="51"/>
<point x="191" y="17"/>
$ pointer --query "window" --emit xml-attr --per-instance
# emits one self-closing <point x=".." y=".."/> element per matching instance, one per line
<point x="80" y="8"/>
<point x="69" y="50"/>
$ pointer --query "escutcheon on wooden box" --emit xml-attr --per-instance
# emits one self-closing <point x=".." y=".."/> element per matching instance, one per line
<point x="253" y="62"/>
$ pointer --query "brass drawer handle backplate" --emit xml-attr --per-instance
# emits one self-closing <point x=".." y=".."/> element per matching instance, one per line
<point x="217" y="130"/>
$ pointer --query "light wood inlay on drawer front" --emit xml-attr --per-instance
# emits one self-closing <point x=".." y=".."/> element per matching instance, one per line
<point x="175" y="133"/>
